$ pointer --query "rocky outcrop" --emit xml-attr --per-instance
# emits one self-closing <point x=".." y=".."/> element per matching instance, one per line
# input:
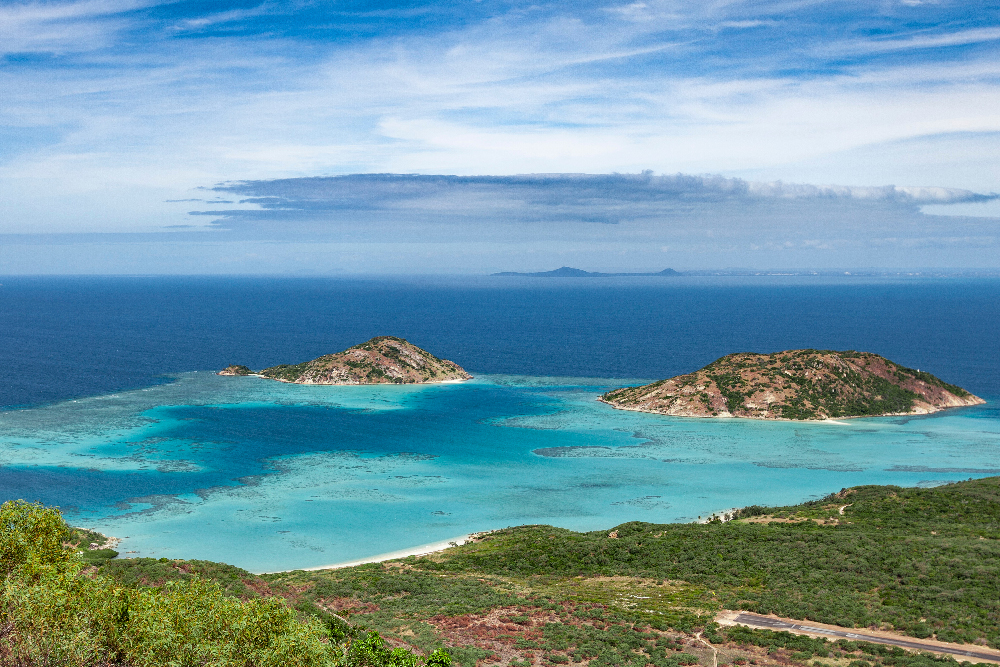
<point x="795" y="384"/>
<point x="382" y="360"/>
<point x="235" y="370"/>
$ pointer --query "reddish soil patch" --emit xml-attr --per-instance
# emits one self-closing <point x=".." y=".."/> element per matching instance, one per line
<point x="347" y="604"/>
<point x="289" y="592"/>
<point x="495" y="630"/>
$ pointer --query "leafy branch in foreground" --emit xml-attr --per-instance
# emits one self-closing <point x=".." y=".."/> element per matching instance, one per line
<point x="55" y="612"/>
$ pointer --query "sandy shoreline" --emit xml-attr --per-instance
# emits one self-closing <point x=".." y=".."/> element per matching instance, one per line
<point x="350" y="384"/>
<point x="421" y="550"/>
<point x="721" y="514"/>
<point x="825" y="420"/>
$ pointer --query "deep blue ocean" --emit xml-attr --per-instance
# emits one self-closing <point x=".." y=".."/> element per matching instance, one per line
<point x="111" y="409"/>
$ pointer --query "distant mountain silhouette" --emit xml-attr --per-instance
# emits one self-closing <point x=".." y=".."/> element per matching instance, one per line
<point x="570" y="272"/>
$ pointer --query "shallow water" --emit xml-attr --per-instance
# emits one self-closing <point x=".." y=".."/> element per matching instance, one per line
<point x="271" y="476"/>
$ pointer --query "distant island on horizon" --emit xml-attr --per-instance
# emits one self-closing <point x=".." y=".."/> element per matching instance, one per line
<point x="570" y="272"/>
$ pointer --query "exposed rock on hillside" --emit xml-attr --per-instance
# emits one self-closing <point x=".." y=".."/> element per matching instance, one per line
<point x="382" y="360"/>
<point x="795" y="384"/>
<point x="235" y="370"/>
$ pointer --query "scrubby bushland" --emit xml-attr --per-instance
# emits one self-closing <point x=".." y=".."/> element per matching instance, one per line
<point x="860" y="653"/>
<point x="925" y="562"/>
<point x="922" y="561"/>
<point x="55" y="612"/>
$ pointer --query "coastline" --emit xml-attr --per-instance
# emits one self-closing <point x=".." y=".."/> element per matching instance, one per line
<point x="349" y="384"/>
<point x="722" y="515"/>
<point x="826" y="420"/>
<point x="420" y="550"/>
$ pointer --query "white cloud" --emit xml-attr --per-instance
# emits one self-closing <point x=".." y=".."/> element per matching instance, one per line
<point x="521" y="92"/>
<point x="62" y="27"/>
<point x="920" y="41"/>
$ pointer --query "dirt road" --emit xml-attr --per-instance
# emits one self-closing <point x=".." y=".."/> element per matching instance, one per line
<point x="806" y="628"/>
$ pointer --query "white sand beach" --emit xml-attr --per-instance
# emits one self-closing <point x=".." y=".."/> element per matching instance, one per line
<point x="421" y="550"/>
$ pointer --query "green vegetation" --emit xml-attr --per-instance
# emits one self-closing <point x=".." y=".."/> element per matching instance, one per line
<point x="90" y="546"/>
<point x="54" y="611"/>
<point x="729" y="385"/>
<point x="910" y="559"/>
<point x="923" y="562"/>
<point x="236" y="370"/>
<point x="288" y="372"/>
<point x="553" y="620"/>
<point x="796" y="384"/>
<point x="381" y="360"/>
<point x="931" y="380"/>
<point x="871" y="395"/>
<point x="152" y="572"/>
<point x="801" y="648"/>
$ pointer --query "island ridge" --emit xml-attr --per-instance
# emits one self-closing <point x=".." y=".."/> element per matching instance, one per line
<point x="795" y="384"/>
<point x="381" y="360"/>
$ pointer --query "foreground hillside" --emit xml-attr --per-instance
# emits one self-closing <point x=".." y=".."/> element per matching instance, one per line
<point x="381" y="360"/>
<point x="922" y="562"/>
<point x="796" y="384"/>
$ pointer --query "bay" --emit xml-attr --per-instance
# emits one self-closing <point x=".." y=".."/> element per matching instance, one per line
<point x="115" y="415"/>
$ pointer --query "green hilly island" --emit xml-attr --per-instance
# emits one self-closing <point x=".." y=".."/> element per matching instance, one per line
<point x="795" y="384"/>
<point x="381" y="360"/>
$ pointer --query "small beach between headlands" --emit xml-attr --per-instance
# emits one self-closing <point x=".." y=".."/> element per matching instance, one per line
<point x="442" y="545"/>
<point x="421" y="550"/>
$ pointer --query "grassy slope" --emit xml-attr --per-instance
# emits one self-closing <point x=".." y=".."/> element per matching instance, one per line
<point x="920" y="561"/>
<point x="897" y="556"/>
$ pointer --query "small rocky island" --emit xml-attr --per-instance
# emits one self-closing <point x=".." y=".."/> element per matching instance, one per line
<point x="382" y="360"/>
<point x="236" y="370"/>
<point x="795" y="384"/>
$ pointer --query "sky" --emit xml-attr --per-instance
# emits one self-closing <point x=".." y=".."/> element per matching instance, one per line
<point x="327" y="137"/>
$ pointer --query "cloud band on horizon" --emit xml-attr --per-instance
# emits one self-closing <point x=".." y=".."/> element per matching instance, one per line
<point x="699" y="213"/>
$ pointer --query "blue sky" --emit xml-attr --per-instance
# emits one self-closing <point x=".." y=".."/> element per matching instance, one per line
<point x="143" y="136"/>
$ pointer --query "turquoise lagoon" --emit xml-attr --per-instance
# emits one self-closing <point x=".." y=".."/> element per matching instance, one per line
<point x="270" y="476"/>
